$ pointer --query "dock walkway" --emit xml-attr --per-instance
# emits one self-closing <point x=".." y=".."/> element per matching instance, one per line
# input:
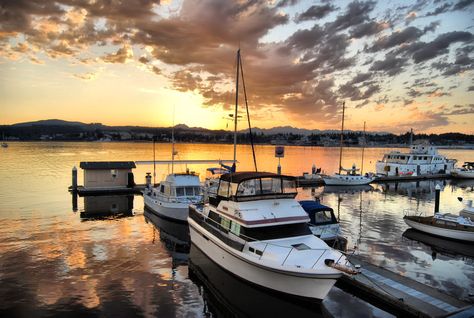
<point x="398" y="294"/>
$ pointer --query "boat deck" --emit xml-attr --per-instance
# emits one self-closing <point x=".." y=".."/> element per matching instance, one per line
<point x="398" y="294"/>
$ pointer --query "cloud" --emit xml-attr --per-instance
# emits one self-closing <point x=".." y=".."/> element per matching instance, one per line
<point x="315" y="12"/>
<point x="460" y="110"/>
<point x="439" y="10"/>
<point x="462" y="4"/>
<point x="391" y="65"/>
<point x="121" y="56"/>
<point x="86" y="76"/>
<point x="356" y="13"/>
<point x="368" y="29"/>
<point x="407" y="35"/>
<point x="440" y="45"/>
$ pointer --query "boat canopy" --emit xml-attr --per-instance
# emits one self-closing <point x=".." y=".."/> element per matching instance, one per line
<point x="256" y="185"/>
<point x="319" y="214"/>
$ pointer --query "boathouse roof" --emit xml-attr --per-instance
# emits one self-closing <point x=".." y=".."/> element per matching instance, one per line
<point x="238" y="177"/>
<point x="105" y="165"/>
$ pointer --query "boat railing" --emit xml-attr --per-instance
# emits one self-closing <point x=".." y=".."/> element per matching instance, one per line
<point x="408" y="212"/>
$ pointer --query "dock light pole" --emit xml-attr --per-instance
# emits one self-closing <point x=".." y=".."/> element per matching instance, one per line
<point x="437" y="193"/>
<point x="74" y="179"/>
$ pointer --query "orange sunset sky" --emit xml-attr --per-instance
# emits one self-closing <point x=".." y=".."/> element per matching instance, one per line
<point x="397" y="64"/>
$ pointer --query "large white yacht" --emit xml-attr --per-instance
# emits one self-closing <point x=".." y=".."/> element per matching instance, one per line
<point x="422" y="159"/>
<point x="172" y="196"/>
<point x="255" y="229"/>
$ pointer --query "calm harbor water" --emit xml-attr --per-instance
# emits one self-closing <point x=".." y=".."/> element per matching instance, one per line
<point x="125" y="261"/>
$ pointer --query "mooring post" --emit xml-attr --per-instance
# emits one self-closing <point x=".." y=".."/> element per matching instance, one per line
<point x="437" y="193"/>
<point x="74" y="179"/>
<point x="313" y="169"/>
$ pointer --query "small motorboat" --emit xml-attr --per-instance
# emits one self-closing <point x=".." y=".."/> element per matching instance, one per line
<point x="468" y="210"/>
<point x="446" y="225"/>
<point x="466" y="171"/>
<point x="324" y="224"/>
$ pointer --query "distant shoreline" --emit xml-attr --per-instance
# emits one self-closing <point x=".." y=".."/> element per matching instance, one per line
<point x="457" y="147"/>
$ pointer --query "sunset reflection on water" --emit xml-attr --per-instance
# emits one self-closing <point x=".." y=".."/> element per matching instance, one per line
<point x="53" y="259"/>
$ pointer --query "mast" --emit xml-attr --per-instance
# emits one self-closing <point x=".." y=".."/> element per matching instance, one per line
<point x="236" y="105"/>
<point x="363" y="148"/>
<point x="154" y="161"/>
<point x="342" y="138"/>
<point x="248" y="115"/>
<point x="172" y="145"/>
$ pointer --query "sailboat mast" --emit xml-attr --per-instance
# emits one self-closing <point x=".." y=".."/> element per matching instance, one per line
<point x="236" y="105"/>
<point x="172" y="145"/>
<point x="363" y="148"/>
<point x="342" y="138"/>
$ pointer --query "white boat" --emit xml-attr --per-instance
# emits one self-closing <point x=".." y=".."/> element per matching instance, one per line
<point x="172" y="196"/>
<point x="466" y="171"/>
<point x="445" y="225"/>
<point x="468" y="210"/>
<point x="351" y="176"/>
<point x="255" y="229"/>
<point x="421" y="160"/>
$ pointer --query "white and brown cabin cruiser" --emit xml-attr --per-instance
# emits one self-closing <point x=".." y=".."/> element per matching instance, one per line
<point x="255" y="229"/>
<point x="171" y="198"/>
<point x="421" y="160"/>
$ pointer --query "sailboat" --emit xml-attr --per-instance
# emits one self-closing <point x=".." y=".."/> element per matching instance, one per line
<point x="255" y="229"/>
<point x="352" y="175"/>
<point x="171" y="198"/>
<point x="4" y="144"/>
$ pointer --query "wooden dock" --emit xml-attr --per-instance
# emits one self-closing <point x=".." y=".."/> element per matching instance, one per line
<point x="81" y="191"/>
<point x="399" y="295"/>
<point x="316" y="182"/>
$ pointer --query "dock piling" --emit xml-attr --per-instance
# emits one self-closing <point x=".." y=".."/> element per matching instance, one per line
<point x="74" y="179"/>
<point x="437" y="193"/>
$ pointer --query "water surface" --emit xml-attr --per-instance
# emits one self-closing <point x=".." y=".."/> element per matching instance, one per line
<point x="121" y="261"/>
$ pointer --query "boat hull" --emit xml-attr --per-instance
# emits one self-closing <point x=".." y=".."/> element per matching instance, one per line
<point x="309" y="286"/>
<point x="347" y="180"/>
<point x="463" y="174"/>
<point x="404" y="169"/>
<point x="447" y="233"/>
<point x="170" y="210"/>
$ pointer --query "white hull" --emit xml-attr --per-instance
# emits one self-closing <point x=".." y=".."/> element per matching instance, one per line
<point x="302" y="284"/>
<point x="402" y="169"/>
<point x="448" y="233"/>
<point x="347" y="180"/>
<point x="462" y="174"/>
<point x="175" y="211"/>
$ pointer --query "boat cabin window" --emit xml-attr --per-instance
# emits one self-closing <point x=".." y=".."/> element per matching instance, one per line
<point x="275" y="231"/>
<point x="265" y="186"/>
<point x="322" y="216"/>
<point x="179" y="191"/>
<point x="223" y="188"/>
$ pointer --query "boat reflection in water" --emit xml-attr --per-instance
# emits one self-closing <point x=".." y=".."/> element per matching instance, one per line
<point x="107" y="207"/>
<point x="348" y="189"/>
<point x="443" y="246"/>
<point x="226" y="295"/>
<point x="173" y="234"/>
<point x="419" y="189"/>
<point x="467" y="184"/>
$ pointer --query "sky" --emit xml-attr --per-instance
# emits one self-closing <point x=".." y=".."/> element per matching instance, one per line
<point x="396" y="64"/>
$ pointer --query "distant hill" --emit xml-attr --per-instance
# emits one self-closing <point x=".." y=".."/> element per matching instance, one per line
<point x="58" y="122"/>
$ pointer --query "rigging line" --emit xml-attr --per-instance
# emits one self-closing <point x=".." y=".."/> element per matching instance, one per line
<point x="236" y="104"/>
<point x="248" y="115"/>
<point x="363" y="148"/>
